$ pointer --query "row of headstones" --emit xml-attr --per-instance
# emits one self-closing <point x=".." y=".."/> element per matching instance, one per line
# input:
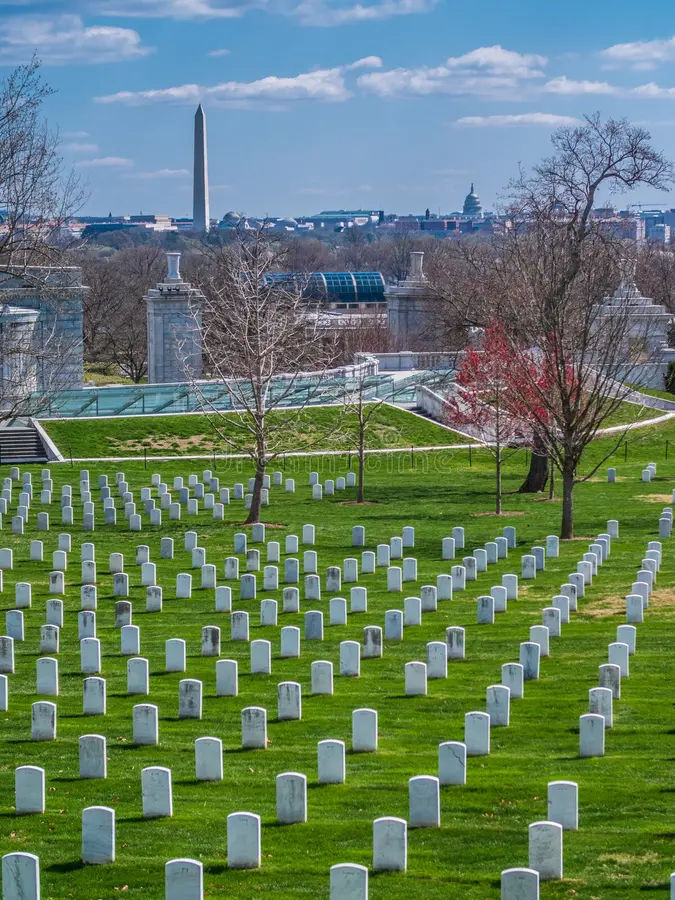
<point x="88" y="509"/>
<point x="331" y="485"/>
<point x="647" y="474"/>
<point x="145" y="716"/>
<point x="351" y="653"/>
<point x="565" y="602"/>
<point x="601" y="714"/>
<point x="184" y="878"/>
<point x="291" y="801"/>
<point x="531" y="652"/>
<point x="546" y="859"/>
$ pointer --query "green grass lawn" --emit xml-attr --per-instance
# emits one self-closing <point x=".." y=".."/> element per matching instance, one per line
<point x="653" y="392"/>
<point x="625" y="844"/>
<point x="317" y="428"/>
<point x="631" y="413"/>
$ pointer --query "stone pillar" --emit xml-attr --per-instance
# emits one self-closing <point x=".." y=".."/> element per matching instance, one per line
<point x="410" y="307"/>
<point x="174" y="328"/>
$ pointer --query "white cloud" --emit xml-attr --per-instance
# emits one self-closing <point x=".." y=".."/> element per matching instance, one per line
<point x="221" y="52"/>
<point x="161" y="173"/>
<point x="547" y="119"/>
<point x="75" y="134"/>
<point x="318" y="13"/>
<point x="498" y="61"/>
<point x="173" y="9"/>
<point x="105" y="162"/>
<point x="486" y="71"/>
<point x="322" y="84"/>
<point x="368" y="62"/>
<point x="640" y="54"/>
<point x="322" y="14"/>
<point x="80" y="148"/>
<point x="652" y="91"/>
<point x="567" y="86"/>
<point x="65" y="39"/>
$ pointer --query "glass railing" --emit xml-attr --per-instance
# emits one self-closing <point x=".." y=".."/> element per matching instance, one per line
<point x="148" y="400"/>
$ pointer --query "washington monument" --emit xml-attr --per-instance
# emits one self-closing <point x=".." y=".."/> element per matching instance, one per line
<point x="200" y="191"/>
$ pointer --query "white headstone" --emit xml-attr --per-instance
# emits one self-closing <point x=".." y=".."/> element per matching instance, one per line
<point x="243" y="840"/>
<point x="390" y="844"/>
<point x="184" y="880"/>
<point x="29" y="789"/>
<point x="331" y="759"/>
<point x="546" y="850"/>
<point x="291" y="790"/>
<point x="452" y="762"/>
<point x="424" y="802"/>
<point x="254" y="728"/>
<point x="364" y="731"/>
<point x="157" y="792"/>
<point x="93" y="760"/>
<point x="563" y="804"/>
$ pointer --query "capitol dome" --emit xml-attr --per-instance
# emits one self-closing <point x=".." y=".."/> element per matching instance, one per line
<point x="472" y="207"/>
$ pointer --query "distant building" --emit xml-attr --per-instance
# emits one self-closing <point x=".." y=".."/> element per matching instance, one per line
<point x="472" y="206"/>
<point x="340" y="292"/>
<point x="41" y="330"/>
<point x="155" y="223"/>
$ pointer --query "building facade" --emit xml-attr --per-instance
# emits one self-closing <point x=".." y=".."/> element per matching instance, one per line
<point x="41" y="323"/>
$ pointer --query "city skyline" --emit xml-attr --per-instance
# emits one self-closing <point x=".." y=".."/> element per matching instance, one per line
<point x="398" y="104"/>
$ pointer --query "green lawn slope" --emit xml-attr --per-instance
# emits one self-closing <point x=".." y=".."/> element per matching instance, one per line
<point x="316" y="428"/>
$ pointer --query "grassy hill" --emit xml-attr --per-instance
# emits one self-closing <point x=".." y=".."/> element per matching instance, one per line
<point x="315" y="428"/>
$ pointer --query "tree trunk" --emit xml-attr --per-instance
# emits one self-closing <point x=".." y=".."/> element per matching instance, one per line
<point x="498" y="476"/>
<point x="567" y="525"/>
<point x="537" y="476"/>
<point x="551" y="482"/>
<point x="362" y="465"/>
<point x="254" y="512"/>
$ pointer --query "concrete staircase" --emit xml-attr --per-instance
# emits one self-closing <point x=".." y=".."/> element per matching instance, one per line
<point x="21" y="444"/>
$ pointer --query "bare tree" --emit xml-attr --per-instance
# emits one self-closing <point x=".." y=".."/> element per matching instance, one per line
<point x="359" y="405"/>
<point x="656" y="273"/>
<point x="309" y="254"/>
<point x="37" y="355"/>
<point x="551" y="213"/>
<point x="266" y="344"/>
<point x="35" y="194"/>
<point x="361" y="333"/>
<point x="115" y="316"/>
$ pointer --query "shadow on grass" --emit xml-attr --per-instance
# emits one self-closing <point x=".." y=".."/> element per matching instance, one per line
<point x="72" y="866"/>
<point x="219" y="869"/>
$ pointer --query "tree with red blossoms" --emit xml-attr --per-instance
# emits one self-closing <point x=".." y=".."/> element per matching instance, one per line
<point x="489" y="401"/>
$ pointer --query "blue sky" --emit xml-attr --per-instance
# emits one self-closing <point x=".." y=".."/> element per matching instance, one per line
<point x="315" y="104"/>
